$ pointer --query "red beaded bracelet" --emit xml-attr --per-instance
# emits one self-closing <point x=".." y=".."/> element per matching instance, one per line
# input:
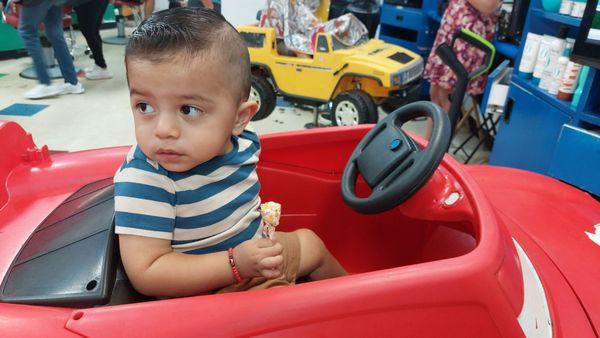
<point x="236" y="273"/>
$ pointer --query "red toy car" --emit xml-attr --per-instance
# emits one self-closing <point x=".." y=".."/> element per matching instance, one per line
<point x="477" y="251"/>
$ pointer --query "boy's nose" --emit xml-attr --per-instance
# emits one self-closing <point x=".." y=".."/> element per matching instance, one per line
<point x="166" y="127"/>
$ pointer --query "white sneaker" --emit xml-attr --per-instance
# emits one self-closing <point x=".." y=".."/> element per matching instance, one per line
<point x="42" y="91"/>
<point x="68" y="88"/>
<point x="98" y="73"/>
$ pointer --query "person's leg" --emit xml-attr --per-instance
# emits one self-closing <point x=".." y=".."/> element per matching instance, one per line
<point x="444" y="98"/>
<point x="316" y="261"/>
<point x="148" y="8"/>
<point x="434" y="97"/>
<point x="90" y="16"/>
<point x="55" y="33"/>
<point x="439" y="96"/>
<point x="102" y="5"/>
<point x="29" y="21"/>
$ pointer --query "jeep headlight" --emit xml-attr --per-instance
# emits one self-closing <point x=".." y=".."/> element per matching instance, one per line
<point x="395" y="79"/>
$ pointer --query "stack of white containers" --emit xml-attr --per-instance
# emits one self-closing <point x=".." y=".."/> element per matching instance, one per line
<point x="574" y="8"/>
<point x="545" y="60"/>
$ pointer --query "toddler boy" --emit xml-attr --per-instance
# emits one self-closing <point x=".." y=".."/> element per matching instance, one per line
<point x="186" y="197"/>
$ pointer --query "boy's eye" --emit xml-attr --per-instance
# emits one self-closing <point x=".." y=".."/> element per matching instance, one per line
<point x="191" y="111"/>
<point x="145" y="108"/>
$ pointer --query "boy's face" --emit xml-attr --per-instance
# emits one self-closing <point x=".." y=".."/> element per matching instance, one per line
<point x="185" y="112"/>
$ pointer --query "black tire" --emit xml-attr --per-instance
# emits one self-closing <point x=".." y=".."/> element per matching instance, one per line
<point x="389" y="106"/>
<point x="357" y="102"/>
<point x="263" y="93"/>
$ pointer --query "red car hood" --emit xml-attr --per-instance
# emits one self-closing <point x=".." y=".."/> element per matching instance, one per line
<point x="568" y="229"/>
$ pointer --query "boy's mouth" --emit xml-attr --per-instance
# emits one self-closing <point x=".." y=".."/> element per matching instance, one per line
<point x="167" y="155"/>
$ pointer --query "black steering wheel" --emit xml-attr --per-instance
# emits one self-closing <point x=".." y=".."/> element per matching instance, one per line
<point x="391" y="162"/>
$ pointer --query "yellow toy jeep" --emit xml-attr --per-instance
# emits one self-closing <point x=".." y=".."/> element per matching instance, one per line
<point x="353" y="79"/>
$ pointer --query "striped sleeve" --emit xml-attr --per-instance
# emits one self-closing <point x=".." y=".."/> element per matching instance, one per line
<point x="144" y="201"/>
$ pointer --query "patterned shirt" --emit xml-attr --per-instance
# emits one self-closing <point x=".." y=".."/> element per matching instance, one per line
<point x="460" y="14"/>
<point x="209" y="208"/>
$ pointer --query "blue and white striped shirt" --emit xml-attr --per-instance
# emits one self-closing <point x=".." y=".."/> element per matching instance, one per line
<point x="209" y="208"/>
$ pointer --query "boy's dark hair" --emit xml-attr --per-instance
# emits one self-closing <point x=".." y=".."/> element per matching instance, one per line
<point x="191" y="32"/>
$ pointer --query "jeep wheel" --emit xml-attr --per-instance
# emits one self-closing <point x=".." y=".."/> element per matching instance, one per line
<point x="354" y="107"/>
<point x="262" y="92"/>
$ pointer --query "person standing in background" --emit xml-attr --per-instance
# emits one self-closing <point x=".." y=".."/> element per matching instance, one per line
<point x="89" y="18"/>
<point x="148" y="8"/>
<point x="479" y="16"/>
<point x="216" y="5"/>
<point x="49" y="12"/>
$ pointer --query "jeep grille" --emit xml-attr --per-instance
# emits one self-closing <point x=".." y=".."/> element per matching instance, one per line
<point x="405" y="76"/>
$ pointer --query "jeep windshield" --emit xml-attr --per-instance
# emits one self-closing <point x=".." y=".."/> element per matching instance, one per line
<point x="338" y="45"/>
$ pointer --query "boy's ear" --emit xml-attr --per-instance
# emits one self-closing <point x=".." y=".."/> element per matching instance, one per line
<point x="245" y="112"/>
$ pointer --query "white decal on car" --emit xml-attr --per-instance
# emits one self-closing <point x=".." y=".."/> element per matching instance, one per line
<point x="595" y="237"/>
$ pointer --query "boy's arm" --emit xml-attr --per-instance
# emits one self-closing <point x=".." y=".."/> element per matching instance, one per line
<point x="155" y="269"/>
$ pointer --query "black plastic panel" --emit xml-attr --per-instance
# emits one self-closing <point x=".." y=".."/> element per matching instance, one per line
<point x="91" y="187"/>
<point x="377" y="160"/>
<point x="70" y="260"/>
<point x="401" y="57"/>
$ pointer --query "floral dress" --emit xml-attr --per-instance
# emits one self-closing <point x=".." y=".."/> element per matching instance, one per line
<point x="460" y="14"/>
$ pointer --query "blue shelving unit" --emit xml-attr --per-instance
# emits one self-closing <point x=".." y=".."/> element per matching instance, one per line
<point x="544" y="95"/>
<point x="555" y="17"/>
<point x="509" y="50"/>
<point x="540" y="133"/>
<point x="412" y="28"/>
<point x="434" y="15"/>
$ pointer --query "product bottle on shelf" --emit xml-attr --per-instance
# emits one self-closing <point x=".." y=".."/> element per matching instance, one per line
<point x="557" y="75"/>
<point x="542" y="58"/>
<point x="555" y="51"/>
<point x="566" y="6"/>
<point x="578" y="8"/>
<point x="568" y="47"/>
<point x="529" y="57"/>
<point x="569" y="81"/>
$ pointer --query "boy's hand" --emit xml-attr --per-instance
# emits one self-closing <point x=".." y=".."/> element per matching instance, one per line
<point x="258" y="257"/>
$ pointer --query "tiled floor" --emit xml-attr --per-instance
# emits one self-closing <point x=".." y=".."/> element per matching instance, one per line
<point x="101" y="116"/>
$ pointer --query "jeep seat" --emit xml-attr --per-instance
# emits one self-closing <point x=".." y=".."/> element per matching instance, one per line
<point x="282" y="49"/>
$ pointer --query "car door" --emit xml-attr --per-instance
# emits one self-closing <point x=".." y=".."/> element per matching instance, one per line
<point x="305" y="76"/>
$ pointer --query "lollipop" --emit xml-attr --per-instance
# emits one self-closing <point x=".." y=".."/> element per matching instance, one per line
<point x="270" y="213"/>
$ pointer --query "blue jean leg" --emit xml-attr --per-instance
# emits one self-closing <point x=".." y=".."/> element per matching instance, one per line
<point x="29" y="21"/>
<point x="56" y="35"/>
